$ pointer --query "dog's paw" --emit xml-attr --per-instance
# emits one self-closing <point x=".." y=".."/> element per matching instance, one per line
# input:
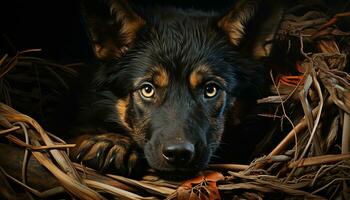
<point x="107" y="152"/>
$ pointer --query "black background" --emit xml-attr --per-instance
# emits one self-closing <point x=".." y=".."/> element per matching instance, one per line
<point x="56" y="26"/>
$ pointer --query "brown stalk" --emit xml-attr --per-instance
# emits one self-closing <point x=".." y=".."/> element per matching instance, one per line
<point x="38" y="148"/>
<point x="318" y="160"/>
<point x="334" y="20"/>
<point x="119" y="193"/>
<point x="230" y="167"/>
<point x="11" y="64"/>
<point x="62" y="159"/>
<point x="6" y="131"/>
<point x="69" y="178"/>
<point x="43" y="194"/>
<point x="318" y="116"/>
<point x="277" y="186"/>
<point x="346" y="133"/>
<point x="283" y="145"/>
<point x="246" y="186"/>
<point x="3" y="59"/>
<point x="73" y="186"/>
<point x="330" y="183"/>
<point x="91" y="174"/>
<point x="158" y="190"/>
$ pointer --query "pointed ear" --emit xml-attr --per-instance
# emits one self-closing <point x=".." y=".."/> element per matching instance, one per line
<point x="251" y="25"/>
<point x="112" y="26"/>
<point x="234" y="23"/>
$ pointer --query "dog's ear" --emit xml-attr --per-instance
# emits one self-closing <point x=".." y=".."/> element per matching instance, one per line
<point x="112" y="26"/>
<point x="251" y="25"/>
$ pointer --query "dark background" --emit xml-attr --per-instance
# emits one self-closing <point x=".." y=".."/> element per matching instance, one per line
<point x="57" y="28"/>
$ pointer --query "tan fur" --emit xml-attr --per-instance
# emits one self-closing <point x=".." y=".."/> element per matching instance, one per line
<point x="107" y="50"/>
<point x="105" y="38"/>
<point x="161" y="77"/>
<point x="131" y="22"/>
<point x="122" y="105"/>
<point x="234" y="22"/>
<point x="195" y="79"/>
<point x="196" y="76"/>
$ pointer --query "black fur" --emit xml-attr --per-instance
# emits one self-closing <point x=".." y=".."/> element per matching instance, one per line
<point x="179" y="42"/>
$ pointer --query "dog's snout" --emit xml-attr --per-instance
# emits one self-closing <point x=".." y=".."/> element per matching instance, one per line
<point x="178" y="154"/>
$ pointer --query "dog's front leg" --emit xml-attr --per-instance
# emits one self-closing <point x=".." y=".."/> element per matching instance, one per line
<point x="109" y="152"/>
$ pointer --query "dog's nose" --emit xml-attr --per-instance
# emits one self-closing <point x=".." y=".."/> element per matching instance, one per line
<point x="178" y="154"/>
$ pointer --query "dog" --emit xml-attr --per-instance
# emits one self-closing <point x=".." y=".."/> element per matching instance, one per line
<point x="166" y="82"/>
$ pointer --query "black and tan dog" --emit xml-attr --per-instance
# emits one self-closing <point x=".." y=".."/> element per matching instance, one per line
<point x="168" y="78"/>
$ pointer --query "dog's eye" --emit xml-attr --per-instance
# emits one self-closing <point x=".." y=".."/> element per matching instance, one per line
<point x="211" y="90"/>
<point x="147" y="90"/>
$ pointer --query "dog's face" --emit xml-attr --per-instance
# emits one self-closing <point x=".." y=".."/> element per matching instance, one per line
<point x="180" y="84"/>
<point x="173" y="77"/>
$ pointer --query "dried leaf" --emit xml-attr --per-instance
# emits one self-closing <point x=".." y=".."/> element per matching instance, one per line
<point x="201" y="188"/>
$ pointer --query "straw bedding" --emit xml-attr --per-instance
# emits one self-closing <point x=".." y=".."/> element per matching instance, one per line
<point x="310" y="86"/>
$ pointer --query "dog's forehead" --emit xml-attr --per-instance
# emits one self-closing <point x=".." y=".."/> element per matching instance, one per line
<point x="180" y="47"/>
<point x="185" y="31"/>
<point x="183" y="44"/>
<point x="181" y="33"/>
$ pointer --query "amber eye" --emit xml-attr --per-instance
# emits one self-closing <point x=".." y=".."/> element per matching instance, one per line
<point x="211" y="90"/>
<point x="147" y="90"/>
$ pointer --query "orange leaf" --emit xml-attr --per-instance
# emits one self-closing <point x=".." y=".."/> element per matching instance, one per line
<point x="206" y="175"/>
<point x="202" y="187"/>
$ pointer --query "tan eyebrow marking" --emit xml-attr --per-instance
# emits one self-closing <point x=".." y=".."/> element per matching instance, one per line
<point x="161" y="77"/>
<point x="195" y="79"/>
<point x="196" y="76"/>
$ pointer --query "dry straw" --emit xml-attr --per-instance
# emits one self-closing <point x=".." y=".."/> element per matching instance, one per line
<point x="312" y="161"/>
